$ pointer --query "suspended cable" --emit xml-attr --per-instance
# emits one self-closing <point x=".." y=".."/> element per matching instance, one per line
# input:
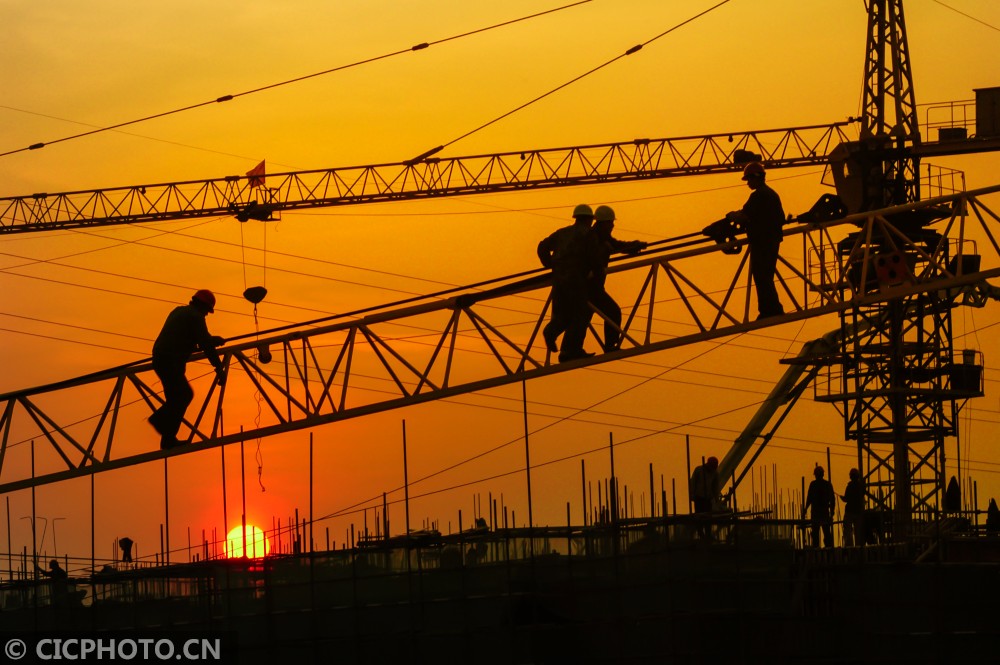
<point x="226" y="98"/>
<point x="629" y="52"/>
<point x="968" y="16"/>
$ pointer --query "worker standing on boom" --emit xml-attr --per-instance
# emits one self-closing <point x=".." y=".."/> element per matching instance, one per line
<point x="183" y="332"/>
<point x="762" y="217"/>
<point x="606" y="245"/>
<point x="570" y="254"/>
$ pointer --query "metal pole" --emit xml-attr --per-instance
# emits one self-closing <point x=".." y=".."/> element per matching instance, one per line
<point x="225" y="512"/>
<point x="406" y="485"/>
<point x="311" y="546"/>
<point x="687" y="451"/>
<point x="93" y="541"/>
<point x="10" y="547"/>
<point x="166" y="512"/>
<point x="243" y="495"/>
<point x="527" y="455"/>
<point x="55" y="543"/>
<point x="34" y="542"/>
<point x="652" y="497"/>
<point x="613" y="490"/>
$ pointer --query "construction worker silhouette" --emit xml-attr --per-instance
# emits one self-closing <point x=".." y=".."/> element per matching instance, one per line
<point x="761" y="217"/>
<point x="854" y="510"/>
<point x="58" y="582"/>
<point x="183" y="332"/>
<point x="820" y="498"/>
<point x="703" y="490"/>
<point x="126" y="546"/>
<point x="606" y="245"/>
<point x="570" y="254"/>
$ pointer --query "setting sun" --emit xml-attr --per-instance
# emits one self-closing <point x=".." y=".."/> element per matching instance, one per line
<point x="257" y="545"/>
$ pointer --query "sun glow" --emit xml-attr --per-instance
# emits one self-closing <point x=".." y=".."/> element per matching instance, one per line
<point x="257" y="546"/>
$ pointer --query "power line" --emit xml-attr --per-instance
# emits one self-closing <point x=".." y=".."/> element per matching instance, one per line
<point x="629" y="52"/>
<point x="225" y="98"/>
<point x="968" y="16"/>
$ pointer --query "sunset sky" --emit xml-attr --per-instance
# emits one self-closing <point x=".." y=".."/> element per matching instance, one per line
<point x="79" y="301"/>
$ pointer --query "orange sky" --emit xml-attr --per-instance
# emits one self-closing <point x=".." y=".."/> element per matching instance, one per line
<point x="79" y="301"/>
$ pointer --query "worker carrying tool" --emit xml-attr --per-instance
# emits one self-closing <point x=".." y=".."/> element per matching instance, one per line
<point x="761" y="217"/>
<point x="184" y="331"/>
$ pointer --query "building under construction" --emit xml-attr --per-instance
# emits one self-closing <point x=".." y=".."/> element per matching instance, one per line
<point x="892" y="256"/>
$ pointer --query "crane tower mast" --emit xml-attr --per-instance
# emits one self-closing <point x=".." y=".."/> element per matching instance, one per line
<point x="897" y="383"/>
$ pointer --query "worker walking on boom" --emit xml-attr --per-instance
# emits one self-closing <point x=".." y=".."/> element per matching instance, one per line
<point x="570" y="254"/>
<point x="606" y="245"/>
<point x="183" y="332"/>
<point x="761" y="217"/>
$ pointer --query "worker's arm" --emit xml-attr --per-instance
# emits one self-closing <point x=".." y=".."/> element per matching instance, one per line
<point x="627" y="246"/>
<point x="545" y="252"/>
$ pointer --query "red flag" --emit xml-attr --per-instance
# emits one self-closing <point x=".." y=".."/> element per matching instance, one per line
<point x="256" y="175"/>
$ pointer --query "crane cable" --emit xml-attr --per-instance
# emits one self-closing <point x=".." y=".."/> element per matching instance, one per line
<point x="256" y="295"/>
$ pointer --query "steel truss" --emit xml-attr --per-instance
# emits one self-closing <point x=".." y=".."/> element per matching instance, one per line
<point x="891" y="132"/>
<point x="465" y="341"/>
<point x="899" y="381"/>
<point x="422" y="178"/>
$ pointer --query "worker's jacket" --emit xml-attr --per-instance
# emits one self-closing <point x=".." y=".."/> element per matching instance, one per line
<point x="570" y="253"/>
<point x="183" y="333"/>
<point x="765" y="216"/>
<point x="821" y="497"/>
<point x="603" y="249"/>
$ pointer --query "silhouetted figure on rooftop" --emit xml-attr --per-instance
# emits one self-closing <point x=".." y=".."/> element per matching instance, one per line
<point x="183" y="332"/>
<point x="854" y="510"/>
<point x="953" y="497"/>
<point x="820" y="498"/>
<point x="703" y="489"/>
<point x="58" y="582"/>
<point x="993" y="518"/>
<point x="126" y="547"/>
<point x="606" y="245"/>
<point x="569" y="254"/>
<point x="762" y="217"/>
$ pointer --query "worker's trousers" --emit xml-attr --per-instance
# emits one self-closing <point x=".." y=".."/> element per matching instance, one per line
<point x="177" y="396"/>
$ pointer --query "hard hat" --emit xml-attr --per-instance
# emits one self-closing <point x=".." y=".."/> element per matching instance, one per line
<point x="753" y="170"/>
<point x="712" y="462"/>
<point x="206" y="298"/>
<point x="604" y="214"/>
<point x="583" y="210"/>
<point x="854" y="473"/>
<point x="818" y="471"/>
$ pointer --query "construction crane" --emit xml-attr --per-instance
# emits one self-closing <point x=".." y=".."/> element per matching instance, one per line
<point x="896" y="278"/>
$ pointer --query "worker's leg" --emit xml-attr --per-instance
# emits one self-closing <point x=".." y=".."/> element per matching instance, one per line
<point x="557" y="323"/>
<point x="578" y="318"/>
<point x="177" y="395"/>
<point x="763" y="260"/>
<point x="612" y="314"/>
<point x="848" y="531"/>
